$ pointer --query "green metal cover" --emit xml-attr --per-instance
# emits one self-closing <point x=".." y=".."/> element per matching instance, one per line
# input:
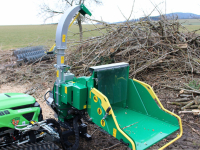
<point x="79" y="96"/>
<point x="143" y="129"/>
<point x="84" y="10"/>
<point x="113" y="83"/>
<point x="8" y="100"/>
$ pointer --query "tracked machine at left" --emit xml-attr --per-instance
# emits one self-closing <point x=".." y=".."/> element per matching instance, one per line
<point x="21" y="121"/>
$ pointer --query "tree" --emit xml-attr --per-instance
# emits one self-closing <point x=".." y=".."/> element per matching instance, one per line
<point x="49" y="11"/>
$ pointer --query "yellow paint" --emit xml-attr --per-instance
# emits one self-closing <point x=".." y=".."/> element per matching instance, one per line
<point x="57" y="74"/>
<point x="95" y="98"/>
<point x="63" y="38"/>
<point x="99" y="111"/>
<point x="41" y="133"/>
<point x="85" y="106"/>
<point x="104" y="100"/>
<point x="153" y="95"/>
<point x="74" y="20"/>
<point x="65" y="90"/>
<point x="51" y="49"/>
<point x="62" y="59"/>
<point x="114" y="132"/>
<point x="32" y="122"/>
<point x="103" y="123"/>
<point x="106" y="104"/>
<point x="90" y="93"/>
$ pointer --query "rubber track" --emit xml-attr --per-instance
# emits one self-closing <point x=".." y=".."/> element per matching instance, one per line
<point x="33" y="146"/>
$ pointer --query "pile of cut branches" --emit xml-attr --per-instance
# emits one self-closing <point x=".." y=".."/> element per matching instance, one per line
<point x="164" y="44"/>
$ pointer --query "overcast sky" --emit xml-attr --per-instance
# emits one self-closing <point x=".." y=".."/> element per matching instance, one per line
<point x="20" y="12"/>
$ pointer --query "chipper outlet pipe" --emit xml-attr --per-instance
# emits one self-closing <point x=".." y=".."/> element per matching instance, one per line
<point x="61" y="40"/>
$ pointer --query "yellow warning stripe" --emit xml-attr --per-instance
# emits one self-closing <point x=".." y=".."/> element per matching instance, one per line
<point x="74" y="20"/>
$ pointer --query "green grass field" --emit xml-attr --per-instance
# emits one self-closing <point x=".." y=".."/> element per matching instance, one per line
<point x="190" y="21"/>
<point x="12" y="37"/>
<point x="191" y="24"/>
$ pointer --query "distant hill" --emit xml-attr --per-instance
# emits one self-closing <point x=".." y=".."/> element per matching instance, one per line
<point x="178" y="15"/>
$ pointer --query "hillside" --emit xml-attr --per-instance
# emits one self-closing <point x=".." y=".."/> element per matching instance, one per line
<point x="178" y="15"/>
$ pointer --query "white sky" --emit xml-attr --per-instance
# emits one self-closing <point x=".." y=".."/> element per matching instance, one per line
<point x="20" y="12"/>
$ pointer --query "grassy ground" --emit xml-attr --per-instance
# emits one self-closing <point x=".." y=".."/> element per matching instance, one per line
<point x="190" y="21"/>
<point x="12" y="37"/>
<point x="191" y="24"/>
<point x="31" y="35"/>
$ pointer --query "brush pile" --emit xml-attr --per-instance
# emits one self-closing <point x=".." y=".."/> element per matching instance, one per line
<point x="143" y="45"/>
<point x="163" y="53"/>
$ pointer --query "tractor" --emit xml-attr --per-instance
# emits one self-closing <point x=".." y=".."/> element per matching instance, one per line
<point x="125" y="108"/>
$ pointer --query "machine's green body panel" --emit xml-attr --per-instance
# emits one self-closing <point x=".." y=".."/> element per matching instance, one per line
<point x="140" y="100"/>
<point x="18" y="115"/>
<point x="143" y="129"/>
<point x="8" y="100"/>
<point x="11" y="109"/>
<point x="66" y="93"/>
<point x="79" y="96"/>
<point x="113" y="84"/>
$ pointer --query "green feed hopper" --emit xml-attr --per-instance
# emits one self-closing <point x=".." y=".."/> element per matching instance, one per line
<point x="127" y="108"/>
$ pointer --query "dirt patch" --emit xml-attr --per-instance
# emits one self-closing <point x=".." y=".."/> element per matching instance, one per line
<point x="11" y="88"/>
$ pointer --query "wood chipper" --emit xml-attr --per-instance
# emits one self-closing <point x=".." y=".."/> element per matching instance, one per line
<point x="122" y="107"/>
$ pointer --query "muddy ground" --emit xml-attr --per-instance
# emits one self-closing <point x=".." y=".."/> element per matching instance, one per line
<point x="14" y="79"/>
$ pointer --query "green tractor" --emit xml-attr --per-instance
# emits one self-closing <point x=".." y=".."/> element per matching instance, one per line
<point x="122" y="107"/>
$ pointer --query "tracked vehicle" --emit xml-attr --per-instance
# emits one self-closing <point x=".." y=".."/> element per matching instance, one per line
<point x="122" y="107"/>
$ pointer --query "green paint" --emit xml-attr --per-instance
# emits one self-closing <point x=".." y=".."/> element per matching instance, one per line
<point x="7" y="103"/>
<point x="14" y="100"/>
<point x="84" y="10"/>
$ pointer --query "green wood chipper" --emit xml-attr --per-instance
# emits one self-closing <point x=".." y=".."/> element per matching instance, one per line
<point x="127" y="109"/>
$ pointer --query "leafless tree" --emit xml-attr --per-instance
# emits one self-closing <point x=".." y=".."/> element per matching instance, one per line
<point x="49" y="12"/>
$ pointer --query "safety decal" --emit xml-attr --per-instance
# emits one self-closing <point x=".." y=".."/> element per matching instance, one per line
<point x="99" y="111"/>
<point x="62" y="59"/>
<point x="63" y="38"/>
<point x="95" y="99"/>
<point x="65" y="90"/>
<point x="57" y="74"/>
<point x="114" y="132"/>
<point x="15" y="121"/>
<point x="103" y="123"/>
<point x="85" y="106"/>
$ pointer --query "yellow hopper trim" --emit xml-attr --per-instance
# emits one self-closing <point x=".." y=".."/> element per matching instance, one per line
<point x="152" y="93"/>
<point x="105" y="104"/>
